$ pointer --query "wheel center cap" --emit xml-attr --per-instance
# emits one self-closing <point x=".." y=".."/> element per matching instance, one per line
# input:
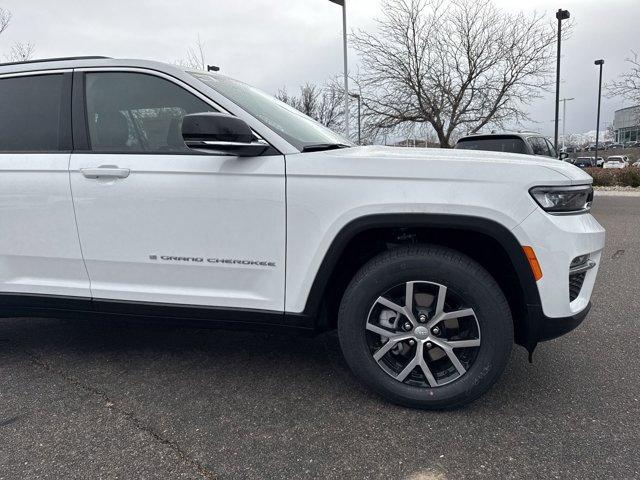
<point x="421" y="332"/>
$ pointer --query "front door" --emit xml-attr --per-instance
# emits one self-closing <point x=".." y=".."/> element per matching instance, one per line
<point x="160" y="223"/>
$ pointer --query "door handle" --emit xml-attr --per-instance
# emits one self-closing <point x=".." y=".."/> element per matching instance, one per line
<point x="105" y="171"/>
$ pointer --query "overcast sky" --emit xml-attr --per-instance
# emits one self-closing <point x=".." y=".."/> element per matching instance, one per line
<point x="272" y="44"/>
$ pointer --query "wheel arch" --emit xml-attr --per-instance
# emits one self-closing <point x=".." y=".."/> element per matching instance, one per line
<point x="490" y="243"/>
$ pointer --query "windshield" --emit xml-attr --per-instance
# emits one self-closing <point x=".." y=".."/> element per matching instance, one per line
<point x="493" y="144"/>
<point x="295" y="127"/>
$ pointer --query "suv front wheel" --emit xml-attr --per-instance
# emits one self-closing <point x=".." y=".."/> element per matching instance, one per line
<point x="425" y="327"/>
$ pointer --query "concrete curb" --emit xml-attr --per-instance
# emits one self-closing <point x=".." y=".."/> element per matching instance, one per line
<point x="617" y="193"/>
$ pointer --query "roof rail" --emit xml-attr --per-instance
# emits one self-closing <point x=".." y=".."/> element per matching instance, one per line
<point x="59" y="59"/>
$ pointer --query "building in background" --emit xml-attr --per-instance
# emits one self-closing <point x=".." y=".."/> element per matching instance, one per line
<point x="626" y="124"/>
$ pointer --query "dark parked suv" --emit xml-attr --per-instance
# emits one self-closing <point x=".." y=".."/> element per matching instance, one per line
<point x="529" y="143"/>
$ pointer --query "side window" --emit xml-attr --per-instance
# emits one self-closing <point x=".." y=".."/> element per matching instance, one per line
<point x="137" y="112"/>
<point x="538" y="145"/>
<point x="30" y="113"/>
<point x="552" y="150"/>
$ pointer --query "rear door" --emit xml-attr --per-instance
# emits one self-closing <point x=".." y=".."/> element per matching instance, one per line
<point x="159" y="222"/>
<point x="39" y="248"/>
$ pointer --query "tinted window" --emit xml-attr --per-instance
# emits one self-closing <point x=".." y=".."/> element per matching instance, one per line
<point x="539" y="146"/>
<point x="137" y="112"/>
<point x="30" y="113"/>
<point x="493" y="144"/>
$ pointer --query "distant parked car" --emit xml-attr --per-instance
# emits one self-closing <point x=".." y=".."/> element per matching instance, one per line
<point x="529" y="143"/>
<point x="614" y="146"/>
<point x="592" y="147"/>
<point x="585" y="162"/>
<point x="571" y="149"/>
<point x="635" y="144"/>
<point x="600" y="162"/>
<point x="617" y="161"/>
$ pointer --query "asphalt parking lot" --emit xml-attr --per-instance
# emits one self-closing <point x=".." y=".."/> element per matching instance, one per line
<point x="87" y="400"/>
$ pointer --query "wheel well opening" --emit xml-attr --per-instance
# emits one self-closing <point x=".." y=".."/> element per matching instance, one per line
<point x="481" y="247"/>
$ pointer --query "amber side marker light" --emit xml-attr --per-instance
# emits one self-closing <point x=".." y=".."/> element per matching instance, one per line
<point x="533" y="263"/>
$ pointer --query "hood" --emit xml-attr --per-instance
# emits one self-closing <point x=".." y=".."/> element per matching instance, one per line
<point x="442" y="163"/>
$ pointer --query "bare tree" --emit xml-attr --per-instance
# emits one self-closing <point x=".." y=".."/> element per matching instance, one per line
<point x="322" y="103"/>
<point x="457" y="66"/>
<point x="628" y="84"/>
<point x="195" y="56"/>
<point x="21" y="52"/>
<point x="325" y="104"/>
<point x="5" y="19"/>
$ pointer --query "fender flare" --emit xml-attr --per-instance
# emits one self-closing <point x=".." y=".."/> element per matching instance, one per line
<point x="498" y="232"/>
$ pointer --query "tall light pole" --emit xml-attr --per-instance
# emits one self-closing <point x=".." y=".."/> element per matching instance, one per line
<point x="560" y="15"/>
<point x="564" y="116"/>
<point x="342" y="3"/>
<point x="599" y="63"/>
<point x="357" y="95"/>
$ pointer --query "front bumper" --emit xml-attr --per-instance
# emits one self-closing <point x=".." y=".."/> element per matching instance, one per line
<point x="550" y="328"/>
<point x="557" y="240"/>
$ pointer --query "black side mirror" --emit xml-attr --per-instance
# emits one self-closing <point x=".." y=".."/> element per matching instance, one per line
<point x="563" y="155"/>
<point x="221" y="134"/>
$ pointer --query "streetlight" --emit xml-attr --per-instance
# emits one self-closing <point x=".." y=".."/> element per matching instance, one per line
<point x="342" y="3"/>
<point x="560" y="15"/>
<point x="357" y="95"/>
<point x="599" y="63"/>
<point x="564" y="116"/>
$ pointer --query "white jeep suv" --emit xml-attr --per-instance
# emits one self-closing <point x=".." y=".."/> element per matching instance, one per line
<point x="135" y="188"/>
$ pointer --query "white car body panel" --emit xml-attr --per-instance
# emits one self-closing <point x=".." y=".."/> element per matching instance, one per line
<point x="39" y="248"/>
<point x="327" y="190"/>
<point x="192" y="206"/>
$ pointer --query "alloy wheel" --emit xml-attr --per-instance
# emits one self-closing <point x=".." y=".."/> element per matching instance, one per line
<point x="423" y="334"/>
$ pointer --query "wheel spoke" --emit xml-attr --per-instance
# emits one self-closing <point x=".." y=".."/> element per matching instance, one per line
<point x="475" y="342"/>
<point x="392" y="339"/>
<point x="456" y="362"/>
<point x="397" y="308"/>
<point x="453" y="358"/>
<point x="390" y="304"/>
<point x="379" y="330"/>
<point x="408" y="301"/>
<point x="382" y="351"/>
<point x="442" y="293"/>
<point x="407" y="370"/>
<point x="465" y="312"/>
<point x="424" y="367"/>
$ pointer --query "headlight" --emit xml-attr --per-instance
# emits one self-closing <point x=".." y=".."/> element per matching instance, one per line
<point x="564" y="200"/>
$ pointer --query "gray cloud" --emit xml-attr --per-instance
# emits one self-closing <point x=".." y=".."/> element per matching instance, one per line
<point x="286" y="43"/>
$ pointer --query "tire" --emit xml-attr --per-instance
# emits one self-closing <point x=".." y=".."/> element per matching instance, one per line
<point x="481" y="308"/>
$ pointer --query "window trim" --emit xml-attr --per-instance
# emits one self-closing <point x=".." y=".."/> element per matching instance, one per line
<point x="551" y="148"/>
<point x="82" y="142"/>
<point x="65" y="138"/>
